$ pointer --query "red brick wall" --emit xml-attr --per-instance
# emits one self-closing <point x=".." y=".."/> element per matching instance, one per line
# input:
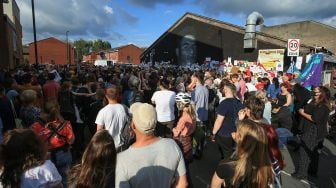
<point x="90" y="58"/>
<point x="51" y="49"/>
<point x="112" y="56"/>
<point x="132" y="51"/>
<point x="120" y="56"/>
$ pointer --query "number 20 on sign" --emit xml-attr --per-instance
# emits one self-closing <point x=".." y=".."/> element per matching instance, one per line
<point x="293" y="47"/>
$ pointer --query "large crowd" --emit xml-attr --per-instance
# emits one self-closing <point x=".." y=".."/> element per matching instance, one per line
<point x="133" y="126"/>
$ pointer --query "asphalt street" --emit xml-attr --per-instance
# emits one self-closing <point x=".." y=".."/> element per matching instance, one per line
<point x="203" y="169"/>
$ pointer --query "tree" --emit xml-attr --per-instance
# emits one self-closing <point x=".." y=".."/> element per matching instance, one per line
<point x="86" y="46"/>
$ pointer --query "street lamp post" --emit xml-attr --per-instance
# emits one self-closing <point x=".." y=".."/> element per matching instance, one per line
<point x="76" y="60"/>
<point x="67" y="48"/>
<point x="34" y="30"/>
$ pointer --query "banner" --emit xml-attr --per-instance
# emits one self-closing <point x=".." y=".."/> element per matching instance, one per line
<point x="272" y="59"/>
<point x="312" y="73"/>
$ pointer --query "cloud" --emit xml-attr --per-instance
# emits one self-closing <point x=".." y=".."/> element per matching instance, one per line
<point x="86" y="19"/>
<point x="124" y="15"/>
<point x="108" y="10"/>
<point x="168" y="12"/>
<point x="152" y="3"/>
<point x="273" y="9"/>
<point x="330" y="21"/>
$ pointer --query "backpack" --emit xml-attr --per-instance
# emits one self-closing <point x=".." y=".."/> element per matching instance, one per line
<point x="127" y="136"/>
<point x="55" y="131"/>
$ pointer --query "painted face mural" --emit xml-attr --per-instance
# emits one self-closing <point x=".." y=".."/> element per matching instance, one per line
<point x="187" y="50"/>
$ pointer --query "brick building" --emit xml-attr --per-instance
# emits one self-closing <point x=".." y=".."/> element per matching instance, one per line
<point x="123" y="54"/>
<point x="92" y="56"/>
<point x="11" y="35"/>
<point x="52" y="51"/>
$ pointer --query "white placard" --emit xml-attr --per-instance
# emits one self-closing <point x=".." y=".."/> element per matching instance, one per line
<point x="298" y="62"/>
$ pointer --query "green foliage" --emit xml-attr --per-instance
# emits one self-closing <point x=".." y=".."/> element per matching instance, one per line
<point x="86" y="46"/>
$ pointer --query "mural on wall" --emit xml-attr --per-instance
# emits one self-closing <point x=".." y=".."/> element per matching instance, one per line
<point x="186" y="51"/>
<point x="185" y="46"/>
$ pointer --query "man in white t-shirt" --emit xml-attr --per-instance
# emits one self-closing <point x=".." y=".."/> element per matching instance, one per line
<point x="164" y="101"/>
<point x="113" y="116"/>
<point x="151" y="161"/>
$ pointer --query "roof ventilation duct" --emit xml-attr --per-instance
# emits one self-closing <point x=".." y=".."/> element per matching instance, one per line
<point x="254" y="19"/>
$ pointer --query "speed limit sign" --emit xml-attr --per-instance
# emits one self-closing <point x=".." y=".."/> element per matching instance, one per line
<point x="293" y="47"/>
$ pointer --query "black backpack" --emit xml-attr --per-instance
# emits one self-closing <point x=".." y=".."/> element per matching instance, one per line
<point x="127" y="136"/>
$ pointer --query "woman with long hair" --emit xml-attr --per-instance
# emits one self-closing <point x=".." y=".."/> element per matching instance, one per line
<point x="253" y="167"/>
<point x="314" y="121"/>
<point x="23" y="161"/>
<point x="186" y="124"/>
<point x="185" y="127"/>
<point x="58" y="134"/>
<point x="97" y="168"/>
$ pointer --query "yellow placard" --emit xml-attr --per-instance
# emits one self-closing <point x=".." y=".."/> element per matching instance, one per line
<point x="272" y="59"/>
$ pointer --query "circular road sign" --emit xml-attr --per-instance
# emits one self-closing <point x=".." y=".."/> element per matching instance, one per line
<point x="293" y="45"/>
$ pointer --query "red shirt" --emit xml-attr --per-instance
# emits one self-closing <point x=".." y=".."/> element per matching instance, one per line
<point x="50" y="90"/>
<point x="248" y="73"/>
<point x="55" y="141"/>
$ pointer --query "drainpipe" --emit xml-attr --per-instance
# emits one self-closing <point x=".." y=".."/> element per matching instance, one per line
<point x="254" y="19"/>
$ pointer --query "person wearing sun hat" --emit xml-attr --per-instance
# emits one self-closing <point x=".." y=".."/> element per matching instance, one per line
<point x="151" y="161"/>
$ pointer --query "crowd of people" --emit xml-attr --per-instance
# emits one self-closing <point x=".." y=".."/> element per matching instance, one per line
<point x="131" y="126"/>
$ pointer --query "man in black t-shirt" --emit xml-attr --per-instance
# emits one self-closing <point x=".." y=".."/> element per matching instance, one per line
<point x="225" y="124"/>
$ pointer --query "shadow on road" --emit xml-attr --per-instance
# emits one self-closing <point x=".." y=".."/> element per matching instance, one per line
<point x="326" y="176"/>
<point x="203" y="169"/>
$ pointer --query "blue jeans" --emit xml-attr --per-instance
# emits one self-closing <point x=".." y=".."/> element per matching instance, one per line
<point x="63" y="160"/>
<point x="284" y="135"/>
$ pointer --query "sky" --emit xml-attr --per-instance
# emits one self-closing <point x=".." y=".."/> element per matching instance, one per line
<point x="141" y="22"/>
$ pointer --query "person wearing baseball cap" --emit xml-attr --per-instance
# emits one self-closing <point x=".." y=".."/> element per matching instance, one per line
<point x="151" y="161"/>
